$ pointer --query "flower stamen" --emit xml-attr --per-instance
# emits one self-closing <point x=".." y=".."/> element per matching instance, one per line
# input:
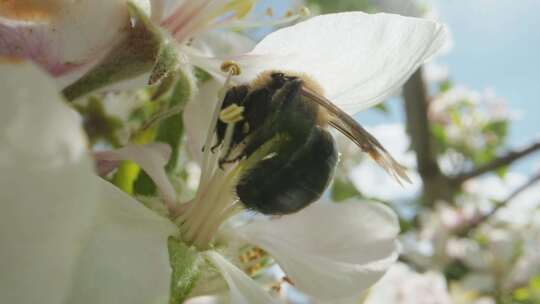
<point x="232" y="114"/>
<point x="215" y="202"/>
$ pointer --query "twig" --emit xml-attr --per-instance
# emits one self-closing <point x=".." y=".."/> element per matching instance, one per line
<point x="534" y="179"/>
<point x="435" y="184"/>
<point x="507" y="159"/>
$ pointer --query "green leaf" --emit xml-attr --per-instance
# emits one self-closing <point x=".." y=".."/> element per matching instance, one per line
<point x="456" y="270"/>
<point x="134" y="55"/>
<point x="529" y="294"/>
<point x="170" y="131"/>
<point x="325" y="6"/>
<point x="502" y="172"/>
<point x="128" y="171"/>
<point x="343" y="189"/>
<point x="201" y="75"/>
<point x="167" y="62"/>
<point x="382" y="108"/>
<point x="441" y="139"/>
<point x="97" y="124"/>
<point x="125" y="176"/>
<point x="445" y="86"/>
<point x="185" y="262"/>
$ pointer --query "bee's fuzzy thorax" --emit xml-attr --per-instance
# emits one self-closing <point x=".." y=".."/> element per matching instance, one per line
<point x="265" y="77"/>
<point x="262" y="80"/>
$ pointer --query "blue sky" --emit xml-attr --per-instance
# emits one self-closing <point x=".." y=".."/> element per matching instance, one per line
<point x="497" y="45"/>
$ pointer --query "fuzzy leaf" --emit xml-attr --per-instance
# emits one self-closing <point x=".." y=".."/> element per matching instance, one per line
<point x="170" y="131"/>
<point x="185" y="263"/>
<point x="134" y="55"/>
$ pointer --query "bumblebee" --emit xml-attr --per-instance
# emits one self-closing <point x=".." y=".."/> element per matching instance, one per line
<point x="287" y="117"/>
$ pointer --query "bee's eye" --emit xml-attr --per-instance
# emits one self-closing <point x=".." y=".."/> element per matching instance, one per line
<point x="278" y="79"/>
<point x="278" y="76"/>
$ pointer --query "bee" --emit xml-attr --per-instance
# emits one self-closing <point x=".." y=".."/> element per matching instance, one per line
<point x="290" y="111"/>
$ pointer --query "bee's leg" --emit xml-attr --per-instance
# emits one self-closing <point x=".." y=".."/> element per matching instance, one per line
<point x="214" y="147"/>
<point x="224" y="160"/>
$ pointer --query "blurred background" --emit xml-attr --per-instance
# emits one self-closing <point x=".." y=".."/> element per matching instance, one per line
<point x="466" y="125"/>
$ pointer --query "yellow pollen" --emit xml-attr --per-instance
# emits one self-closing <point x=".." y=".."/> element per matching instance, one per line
<point x="231" y="114"/>
<point x="240" y="7"/>
<point x="252" y="254"/>
<point x="231" y="67"/>
<point x="304" y="11"/>
<point x="254" y="269"/>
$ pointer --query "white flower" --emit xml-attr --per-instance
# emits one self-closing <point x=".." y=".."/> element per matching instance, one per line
<point x="329" y="263"/>
<point x="63" y="35"/>
<point x="67" y="236"/>
<point x="68" y="37"/>
<point x="402" y="285"/>
<point x="358" y="59"/>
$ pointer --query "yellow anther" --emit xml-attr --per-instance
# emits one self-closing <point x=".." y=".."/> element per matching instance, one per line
<point x="231" y="67"/>
<point x="304" y="11"/>
<point x="240" y="7"/>
<point x="252" y="254"/>
<point x="269" y="12"/>
<point x="289" y="13"/>
<point x="231" y="114"/>
<point x="254" y="269"/>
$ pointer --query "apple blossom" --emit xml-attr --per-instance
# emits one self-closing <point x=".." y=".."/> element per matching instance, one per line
<point x="370" y="82"/>
<point x="62" y="36"/>
<point x="67" y="236"/>
<point x="401" y="285"/>
<point x="358" y="59"/>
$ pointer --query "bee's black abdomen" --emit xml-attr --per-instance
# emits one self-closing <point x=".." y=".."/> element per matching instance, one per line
<point x="290" y="180"/>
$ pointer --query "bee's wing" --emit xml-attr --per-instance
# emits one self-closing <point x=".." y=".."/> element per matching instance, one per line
<point x="356" y="133"/>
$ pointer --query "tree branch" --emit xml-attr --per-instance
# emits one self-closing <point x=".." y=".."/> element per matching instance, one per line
<point x="534" y="179"/>
<point x="507" y="159"/>
<point x="435" y="184"/>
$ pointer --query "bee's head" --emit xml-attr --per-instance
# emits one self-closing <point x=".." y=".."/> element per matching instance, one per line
<point x="278" y="79"/>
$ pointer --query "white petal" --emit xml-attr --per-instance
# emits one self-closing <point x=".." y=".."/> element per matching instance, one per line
<point x="223" y="43"/>
<point x="47" y="194"/>
<point x="197" y="115"/>
<point x="29" y="100"/>
<point x="75" y="33"/>
<point x="125" y="259"/>
<point x="206" y="300"/>
<point x="67" y="236"/>
<point x="359" y="59"/>
<point x="243" y="289"/>
<point x="330" y="251"/>
<point x="152" y="158"/>
<point x="403" y="285"/>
